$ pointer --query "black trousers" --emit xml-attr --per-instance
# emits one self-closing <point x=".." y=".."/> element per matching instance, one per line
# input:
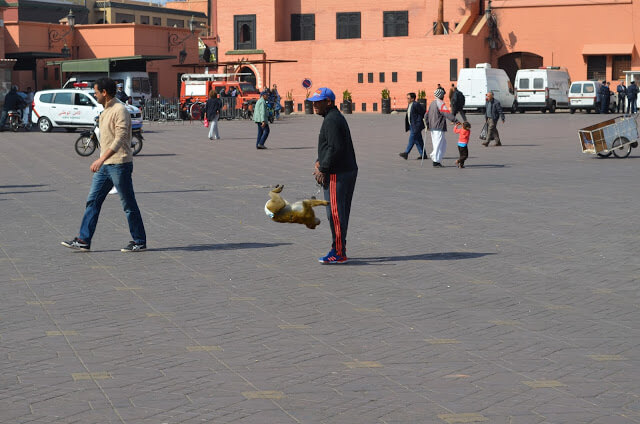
<point x="621" y="103"/>
<point x="464" y="154"/>
<point x="339" y="192"/>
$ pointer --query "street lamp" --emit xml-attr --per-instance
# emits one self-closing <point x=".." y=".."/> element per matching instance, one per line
<point x="173" y="38"/>
<point x="55" y="36"/>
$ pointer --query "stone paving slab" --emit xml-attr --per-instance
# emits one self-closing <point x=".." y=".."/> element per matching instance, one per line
<point x="505" y="292"/>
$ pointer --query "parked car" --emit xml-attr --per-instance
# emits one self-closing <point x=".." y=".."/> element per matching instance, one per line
<point x="585" y="95"/>
<point x="71" y="108"/>
<point x="476" y="82"/>
<point x="543" y="89"/>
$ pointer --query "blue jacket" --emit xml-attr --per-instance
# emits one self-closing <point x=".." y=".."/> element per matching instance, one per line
<point x="496" y="110"/>
<point x="415" y="122"/>
<point x="632" y="91"/>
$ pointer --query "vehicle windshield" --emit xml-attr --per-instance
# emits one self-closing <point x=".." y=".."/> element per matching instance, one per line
<point x="576" y="88"/>
<point x="247" y="87"/>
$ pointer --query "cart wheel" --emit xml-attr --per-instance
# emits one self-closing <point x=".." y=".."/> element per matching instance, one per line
<point x="604" y="155"/>
<point x="619" y="149"/>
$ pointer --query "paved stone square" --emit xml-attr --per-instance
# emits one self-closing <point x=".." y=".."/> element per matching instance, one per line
<point x="506" y="292"/>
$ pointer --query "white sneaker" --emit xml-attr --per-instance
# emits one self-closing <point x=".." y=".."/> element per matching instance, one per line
<point x="113" y="191"/>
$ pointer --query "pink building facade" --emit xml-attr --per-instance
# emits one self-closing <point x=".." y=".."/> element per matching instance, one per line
<point x="365" y="47"/>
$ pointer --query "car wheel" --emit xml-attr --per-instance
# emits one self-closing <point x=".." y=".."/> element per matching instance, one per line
<point x="44" y="124"/>
<point x="543" y="109"/>
<point x="552" y="108"/>
<point x="572" y="111"/>
<point x="521" y="110"/>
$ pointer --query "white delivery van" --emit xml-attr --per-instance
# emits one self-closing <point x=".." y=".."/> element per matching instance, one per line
<point x="135" y="84"/>
<point x="543" y="89"/>
<point x="585" y="95"/>
<point x="476" y="82"/>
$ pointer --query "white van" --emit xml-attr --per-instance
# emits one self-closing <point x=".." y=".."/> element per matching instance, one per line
<point x="135" y="84"/>
<point x="585" y="95"/>
<point x="543" y="89"/>
<point x="476" y="82"/>
<point x="71" y="108"/>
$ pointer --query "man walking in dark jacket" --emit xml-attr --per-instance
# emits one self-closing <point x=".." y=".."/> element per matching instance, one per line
<point x="632" y="97"/>
<point x="336" y="171"/>
<point x="622" y="94"/>
<point x="457" y="102"/>
<point x="414" y="123"/>
<point x="493" y="113"/>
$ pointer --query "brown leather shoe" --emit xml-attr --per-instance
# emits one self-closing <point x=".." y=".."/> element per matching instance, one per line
<point x="498" y="144"/>
<point x="485" y="144"/>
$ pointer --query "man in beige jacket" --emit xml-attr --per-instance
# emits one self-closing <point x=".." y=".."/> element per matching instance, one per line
<point x="112" y="169"/>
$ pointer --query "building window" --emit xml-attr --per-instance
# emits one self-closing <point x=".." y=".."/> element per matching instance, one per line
<point x="144" y="20"/>
<point x="125" y="18"/>
<point x="370" y="77"/>
<point x="303" y="26"/>
<point x="364" y="107"/>
<point x="446" y="27"/>
<point x="620" y="64"/>
<point x="157" y="21"/>
<point x="46" y="73"/>
<point x="176" y="23"/>
<point x="453" y="69"/>
<point x="466" y="62"/>
<point x="394" y="77"/>
<point x="244" y="32"/>
<point x="596" y="67"/>
<point x="360" y="78"/>
<point x="347" y="25"/>
<point x="56" y="73"/>
<point x="381" y="76"/>
<point x="396" y="24"/>
<point x="419" y="76"/>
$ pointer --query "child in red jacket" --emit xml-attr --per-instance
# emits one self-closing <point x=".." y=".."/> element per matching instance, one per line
<point x="464" y="130"/>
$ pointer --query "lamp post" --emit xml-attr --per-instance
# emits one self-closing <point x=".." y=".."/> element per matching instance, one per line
<point x="55" y="36"/>
<point x="173" y="38"/>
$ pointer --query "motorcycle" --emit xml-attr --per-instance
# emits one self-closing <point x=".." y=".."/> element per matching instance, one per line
<point x="14" y="119"/>
<point x="89" y="140"/>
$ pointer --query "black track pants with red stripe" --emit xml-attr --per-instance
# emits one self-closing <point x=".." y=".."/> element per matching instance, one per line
<point x="339" y="193"/>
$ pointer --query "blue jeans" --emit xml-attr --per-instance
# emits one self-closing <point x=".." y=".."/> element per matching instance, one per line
<point x="263" y="133"/>
<point x="118" y="175"/>
<point x="415" y="138"/>
<point x="632" y="106"/>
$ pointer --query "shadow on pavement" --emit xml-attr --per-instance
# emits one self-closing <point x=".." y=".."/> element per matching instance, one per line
<point x="443" y="256"/>
<point x="171" y="191"/>
<point x="219" y="246"/>
<point x="156" y="154"/>
<point x="23" y="186"/>
<point x="487" y="166"/>
<point x="294" y="148"/>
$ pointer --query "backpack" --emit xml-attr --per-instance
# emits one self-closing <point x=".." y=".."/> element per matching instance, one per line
<point x="458" y="98"/>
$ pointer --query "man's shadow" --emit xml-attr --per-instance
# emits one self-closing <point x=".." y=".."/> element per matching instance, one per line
<point x="441" y="256"/>
<point x="219" y="246"/>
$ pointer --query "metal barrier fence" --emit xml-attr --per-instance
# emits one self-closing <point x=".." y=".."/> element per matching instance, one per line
<point x="161" y="109"/>
<point x="169" y="109"/>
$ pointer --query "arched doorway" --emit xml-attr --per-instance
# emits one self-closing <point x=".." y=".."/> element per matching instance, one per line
<point x="519" y="60"/>
<point x="250" y="77"/>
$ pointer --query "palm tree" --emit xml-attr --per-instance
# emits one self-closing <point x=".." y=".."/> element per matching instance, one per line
<point x="440" y="20"/>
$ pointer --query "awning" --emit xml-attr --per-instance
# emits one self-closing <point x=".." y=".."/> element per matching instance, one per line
<point x="606" y="49"/>
<point x="26" y="61"/>
<point x="108" y="64"/>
